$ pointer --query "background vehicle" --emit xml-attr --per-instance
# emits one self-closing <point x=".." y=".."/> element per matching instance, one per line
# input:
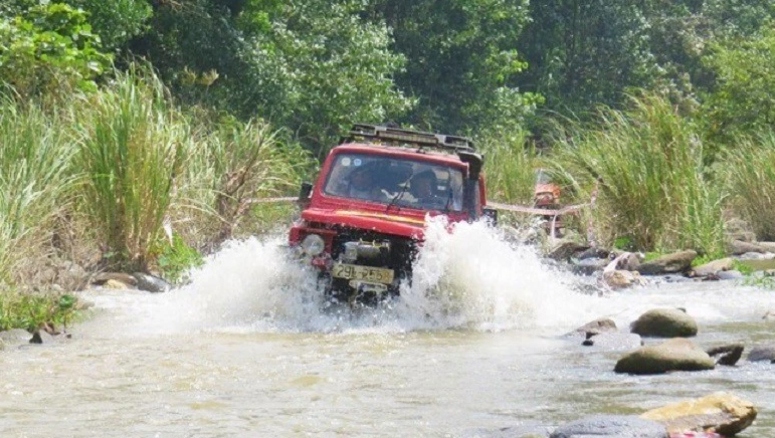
<point x="547" y="195"/>
<point x="363" y="218"/>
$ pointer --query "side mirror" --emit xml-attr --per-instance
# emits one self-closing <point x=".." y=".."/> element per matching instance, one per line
<point x="491" y="214"/>
<point x="304" y="191"/>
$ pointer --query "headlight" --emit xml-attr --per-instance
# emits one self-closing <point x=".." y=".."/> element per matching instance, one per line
<point x="313" y="244"/>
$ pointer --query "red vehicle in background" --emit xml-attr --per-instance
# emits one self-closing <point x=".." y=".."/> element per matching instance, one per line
<point x="547" y="196"/>
<point x="364" y="217"/>
<point x="547" y="193"/>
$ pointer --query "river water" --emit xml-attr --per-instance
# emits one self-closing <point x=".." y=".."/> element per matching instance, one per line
<point x="474" y="345"/>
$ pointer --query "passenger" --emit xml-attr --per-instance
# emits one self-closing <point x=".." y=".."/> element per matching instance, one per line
<point x="361" y="184"/>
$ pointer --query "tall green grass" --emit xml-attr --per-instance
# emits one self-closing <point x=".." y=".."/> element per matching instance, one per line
<point x="510" y="171"/>
<point x="653" y="187"/>
<point x="231" y="165"/>
<point x="34" y="181"/>
<point x="131" y="147"/>
<point x="511" y="163"/>
<point x="750" y="171"/>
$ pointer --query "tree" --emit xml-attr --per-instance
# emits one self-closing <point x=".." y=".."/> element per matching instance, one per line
<point x="583" y="54"/>
<point x="311" y="66"/>
<point x="328" y="67"/>
<point x="461" y="59"/>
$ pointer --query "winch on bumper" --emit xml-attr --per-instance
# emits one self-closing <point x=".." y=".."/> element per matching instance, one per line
<point x="364" y="269"/>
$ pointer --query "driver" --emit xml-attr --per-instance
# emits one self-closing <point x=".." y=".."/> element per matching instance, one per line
<point x="423" y="188"/>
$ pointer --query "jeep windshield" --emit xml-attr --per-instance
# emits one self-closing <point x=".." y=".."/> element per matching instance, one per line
<point x="396" y="182"/>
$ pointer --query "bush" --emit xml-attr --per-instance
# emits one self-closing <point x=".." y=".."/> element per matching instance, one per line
<point x="33" y="311"/>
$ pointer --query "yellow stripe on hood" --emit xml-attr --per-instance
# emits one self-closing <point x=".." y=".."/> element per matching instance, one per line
<point x="389" y="217"/>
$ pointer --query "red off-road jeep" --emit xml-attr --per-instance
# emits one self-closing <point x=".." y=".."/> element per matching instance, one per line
<point x="362" y="220"/>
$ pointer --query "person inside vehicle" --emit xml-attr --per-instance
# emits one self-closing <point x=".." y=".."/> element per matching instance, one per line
<point x="423" y="188"/>
<point x="361" y="184"/>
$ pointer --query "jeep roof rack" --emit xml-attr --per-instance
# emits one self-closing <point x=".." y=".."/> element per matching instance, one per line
<point x="450" y="143"/>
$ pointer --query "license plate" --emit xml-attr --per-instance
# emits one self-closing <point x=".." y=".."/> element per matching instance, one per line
<point x="363" y="273"/>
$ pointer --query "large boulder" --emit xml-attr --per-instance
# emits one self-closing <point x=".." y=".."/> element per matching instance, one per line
<point x="720" y="413"/>
<point x="628" y="261"/>
<point x="677" y="354"/>
<point x="668" y="264"/>
<point x="767" y="246"/>
<point x="103" y="277"/>
<point x="151" y="283"/>
<point x="613" y="426"/>
<point x="664" y="323"/>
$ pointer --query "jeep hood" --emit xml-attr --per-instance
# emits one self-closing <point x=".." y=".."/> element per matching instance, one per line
<point x="388" y="223"/>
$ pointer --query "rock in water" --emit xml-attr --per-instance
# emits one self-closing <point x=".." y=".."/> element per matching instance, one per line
<point x="677" y="354"/>
<point x="720" y="412"/>
<point x="665" y="323"/>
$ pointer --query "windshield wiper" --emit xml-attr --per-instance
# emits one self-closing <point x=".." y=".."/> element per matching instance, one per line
<point x="401" y="193"/>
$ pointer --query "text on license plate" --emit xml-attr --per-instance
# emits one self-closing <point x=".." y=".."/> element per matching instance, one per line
<point x="364" y="273"/>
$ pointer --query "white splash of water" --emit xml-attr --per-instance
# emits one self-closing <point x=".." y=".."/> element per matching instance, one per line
<point x="466" y="276"/>
<point x="474" y="278"/>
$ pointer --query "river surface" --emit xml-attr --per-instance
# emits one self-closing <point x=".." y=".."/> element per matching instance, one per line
<point x="474" y="345"/>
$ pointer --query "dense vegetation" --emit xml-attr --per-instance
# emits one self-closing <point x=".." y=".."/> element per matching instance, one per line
<point x="137" y="134"/>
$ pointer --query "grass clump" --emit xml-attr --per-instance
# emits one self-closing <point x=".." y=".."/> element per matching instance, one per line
<point x="510" y="170"/>
<point x="131" y="146"/>
<point x="750" y="171"/>
<point x="229" y="166"/>
<point x="34" y="181"/>
<point x="652" y="186"/>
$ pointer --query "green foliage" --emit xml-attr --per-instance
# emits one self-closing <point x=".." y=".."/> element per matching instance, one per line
<point x="648" y="166"/>
<point x="742" y="99"/>
<point x="131" y="144"/>
<point x="624" y="243"/>
<point x="750" y="171"/>
<point x="311" y="67"/>
<point x="176" y="258"/>
<point x="49" y="48"/>
<point x="33" y="311"/>
<point x="703" y="259"/>
<point x="743" y="268"/>
<point x="115" y="21"/>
